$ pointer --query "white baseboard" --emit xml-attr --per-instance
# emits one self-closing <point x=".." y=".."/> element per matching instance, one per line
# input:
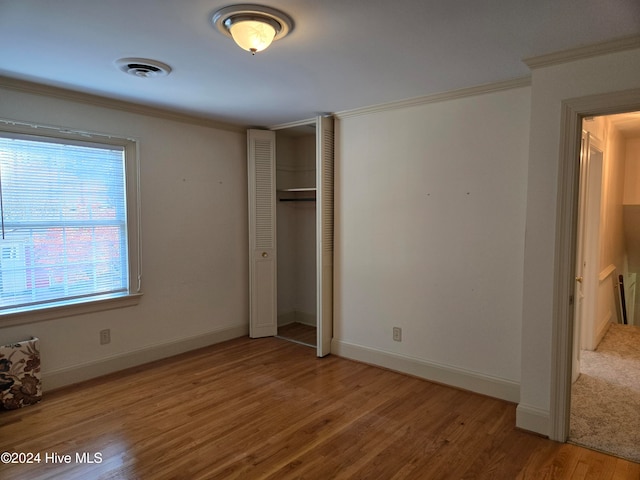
<point x="533" y="419"/>
<point x="447" y="375"/>
<point x="296" y="316"/>
<point x="78" y="373"/>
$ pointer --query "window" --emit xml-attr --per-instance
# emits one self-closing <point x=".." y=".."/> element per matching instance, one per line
<point x="68" y="219"/>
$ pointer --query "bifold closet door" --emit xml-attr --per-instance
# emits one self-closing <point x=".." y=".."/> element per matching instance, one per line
<point x="324" y="233"/>
<point x="261" y="166"/>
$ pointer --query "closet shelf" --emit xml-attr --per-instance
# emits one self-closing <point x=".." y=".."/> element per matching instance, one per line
<point x="305" y="194"/>
<point x="303" y="189"/>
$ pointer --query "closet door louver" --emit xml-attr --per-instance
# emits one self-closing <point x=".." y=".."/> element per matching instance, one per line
<point x="324" y="233"/>
<point x="262" y="237"/>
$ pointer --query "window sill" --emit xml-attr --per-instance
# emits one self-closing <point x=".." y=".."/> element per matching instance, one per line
<point x="51" y="313"/>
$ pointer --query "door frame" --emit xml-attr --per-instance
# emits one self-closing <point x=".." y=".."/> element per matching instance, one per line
<point x="324" y="152"/>
<point x="573" y="112"/>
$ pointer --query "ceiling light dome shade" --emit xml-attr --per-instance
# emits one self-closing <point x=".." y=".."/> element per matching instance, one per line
<point x="252" y="27"/>
<point x="252" y="35"/>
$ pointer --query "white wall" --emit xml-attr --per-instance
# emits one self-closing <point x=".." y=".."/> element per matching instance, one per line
<point x="612" y="240"/>
<point x="194" y="243"/>
<point x="631" y="214"/>
<point x="550" y="86"/>
<point x="296" y="229"/>
<point x="430" y="212"/>
<point x="632" y="172"/>
<point x="612" y="244"/>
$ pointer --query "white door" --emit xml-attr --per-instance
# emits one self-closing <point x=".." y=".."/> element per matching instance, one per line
<point x="580" y="236"/>
<point x="587" y="250"/>
<point x="261" y="166"/>
<point x="324" y="233"/>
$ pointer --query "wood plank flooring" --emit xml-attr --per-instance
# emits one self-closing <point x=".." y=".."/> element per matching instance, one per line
<point x="269" y="409"/>
<point x="299" y="332"/>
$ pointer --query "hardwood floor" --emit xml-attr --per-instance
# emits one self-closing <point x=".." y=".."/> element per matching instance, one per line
<point x="299" y="332"/>
<point x="249" y="409"/>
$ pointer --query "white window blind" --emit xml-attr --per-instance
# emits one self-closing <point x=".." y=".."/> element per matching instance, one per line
<point x="63" y="221"/>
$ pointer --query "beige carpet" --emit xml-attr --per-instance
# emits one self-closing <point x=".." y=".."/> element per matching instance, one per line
<point x="605" y="400"/>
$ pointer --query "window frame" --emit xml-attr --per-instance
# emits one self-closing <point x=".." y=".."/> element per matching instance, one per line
<point x="132" y="199"/>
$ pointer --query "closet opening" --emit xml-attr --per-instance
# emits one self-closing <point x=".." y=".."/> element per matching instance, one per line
<point x="296" y="234"/>
<point x="290" y="174"/>
<point x="605" y="394"/>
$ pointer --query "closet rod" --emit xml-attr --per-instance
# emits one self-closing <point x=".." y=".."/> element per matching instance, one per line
<point x="297" y="199"/>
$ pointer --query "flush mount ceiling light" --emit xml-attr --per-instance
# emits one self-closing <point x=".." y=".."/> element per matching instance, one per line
<point x="143" y="67"/>
<point x="252" y="27"/>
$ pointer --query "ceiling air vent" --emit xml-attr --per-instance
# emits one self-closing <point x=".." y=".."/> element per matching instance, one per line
<point x="143" y="67"/>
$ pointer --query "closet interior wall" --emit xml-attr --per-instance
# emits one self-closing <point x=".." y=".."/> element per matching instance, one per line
<point x="296" y="225"/>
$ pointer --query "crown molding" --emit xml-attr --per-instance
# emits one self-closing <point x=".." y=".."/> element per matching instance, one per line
<point x="99" y="101"/>
<point x="569" y="55"/>
<point x="439" y="97"/>
<point x="299" y="123"/>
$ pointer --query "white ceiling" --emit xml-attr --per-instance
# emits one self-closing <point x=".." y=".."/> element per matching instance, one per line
<point x="627" y="123"/>
<point x="341" y="54"/>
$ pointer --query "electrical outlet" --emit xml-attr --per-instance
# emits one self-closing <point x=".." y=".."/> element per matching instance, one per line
<point x="397" y="334"/>
<point x="105" y="336"/>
